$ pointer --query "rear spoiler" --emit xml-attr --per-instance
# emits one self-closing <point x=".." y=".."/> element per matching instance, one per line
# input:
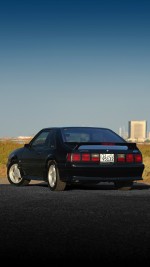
<point x="78" y="144"/>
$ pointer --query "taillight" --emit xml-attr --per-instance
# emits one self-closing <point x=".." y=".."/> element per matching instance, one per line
<point x="69" y="157"/>
<point x="82" y="157"/>
<point x="138" y="158"/>
<point x="121" y="158"/>
<point x="85" y="157"/>
<point x="95" y="157"/>
<point x="75" y="157"/>
<point x="129" y="158"/>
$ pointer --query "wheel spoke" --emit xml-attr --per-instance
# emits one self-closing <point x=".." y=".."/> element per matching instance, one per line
<point x="14" y="174"/>
<point x="54" y="181"/>
<point x="52" y="175"/>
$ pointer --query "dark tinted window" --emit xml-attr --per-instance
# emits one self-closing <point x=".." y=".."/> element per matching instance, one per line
<point x="45" y="139"/>
<point x="85" y="134"/>
<point x="50" y="141"/>
<point x="40" y="139"/>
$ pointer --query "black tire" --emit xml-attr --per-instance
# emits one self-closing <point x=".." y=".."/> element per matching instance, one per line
<point x="124" y="185"/>
<point x="14" y="175"/>
<point x="54" y="182"/>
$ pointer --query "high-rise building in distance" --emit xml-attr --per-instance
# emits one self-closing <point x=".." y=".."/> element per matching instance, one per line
<point x="138" y="131"/>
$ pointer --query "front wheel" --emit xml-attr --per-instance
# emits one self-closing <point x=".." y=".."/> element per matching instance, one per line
<point x="124" y="185"/>
<point x="54" y="182"/>
<point x="14" y="175"/>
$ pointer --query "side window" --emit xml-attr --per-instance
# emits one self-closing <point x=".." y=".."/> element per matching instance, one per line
<point x="41" y="139"/>
<point x="50" y="142"/>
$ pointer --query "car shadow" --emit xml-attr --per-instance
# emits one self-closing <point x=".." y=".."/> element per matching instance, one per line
<point x="100" y="186"/>
<point x="140" y="185"/>
<point x="109" y="186"/>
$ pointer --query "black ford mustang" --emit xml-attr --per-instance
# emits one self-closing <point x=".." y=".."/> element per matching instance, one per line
<point x="66" y="155"/>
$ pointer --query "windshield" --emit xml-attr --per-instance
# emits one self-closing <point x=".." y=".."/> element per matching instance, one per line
<point x="89" y="134"/>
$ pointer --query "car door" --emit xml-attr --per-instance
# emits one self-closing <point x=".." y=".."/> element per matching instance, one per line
<point x="35" y="155"/>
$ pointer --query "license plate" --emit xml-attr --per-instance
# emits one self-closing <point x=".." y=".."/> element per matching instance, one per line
<point x="106" y="158"/>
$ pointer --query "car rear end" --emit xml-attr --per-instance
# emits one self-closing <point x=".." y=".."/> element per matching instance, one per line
<point x="101" y="162"/>
<point x="99" y="154"/>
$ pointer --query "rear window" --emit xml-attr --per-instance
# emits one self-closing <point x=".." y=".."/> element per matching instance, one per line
<point x="85" y="134"/>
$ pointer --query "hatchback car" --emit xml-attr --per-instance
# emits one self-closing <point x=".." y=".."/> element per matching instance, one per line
<point x="65" y="156"/>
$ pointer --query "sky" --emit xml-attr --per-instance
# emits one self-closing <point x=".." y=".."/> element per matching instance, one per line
<point x="73" y="63"/>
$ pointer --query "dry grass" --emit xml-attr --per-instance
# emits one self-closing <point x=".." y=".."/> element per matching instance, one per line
<point x="145" y="149"/>
<point x="7" y="146"/>
<point x="2" y="170"/>
<point x="146" y="173"/>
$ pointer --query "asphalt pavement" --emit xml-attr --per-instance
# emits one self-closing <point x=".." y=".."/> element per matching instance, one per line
<point x="92" y="225"/>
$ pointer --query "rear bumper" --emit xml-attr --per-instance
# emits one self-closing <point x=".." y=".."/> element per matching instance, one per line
<point x="98" y="173"/>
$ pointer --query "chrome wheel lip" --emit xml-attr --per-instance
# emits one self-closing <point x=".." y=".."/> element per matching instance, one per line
<point x="14" y="174"/>
<point x="52" y="176"/>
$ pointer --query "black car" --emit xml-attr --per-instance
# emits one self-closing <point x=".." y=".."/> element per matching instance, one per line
<point x="65" y="156"/>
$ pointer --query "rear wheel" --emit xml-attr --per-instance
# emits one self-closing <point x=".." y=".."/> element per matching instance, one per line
<point x="124" y="185"/>
<point x="14" y="175"/>
<point x="54" y="182"/>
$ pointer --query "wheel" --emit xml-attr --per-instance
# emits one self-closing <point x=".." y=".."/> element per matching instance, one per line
<point x="124" y="185"/>
<point x="14" y="175"/>
<point x="54" y="182"/>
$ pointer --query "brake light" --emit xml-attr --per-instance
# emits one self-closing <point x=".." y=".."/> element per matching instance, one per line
<point x="138" y="158"/>
<point x="75" y="157"/>
<point x="129" y="158"/>
<point x="82" y="157"/>
<point x="69" y="157"/>
<point x="85" y="157"/>
<point x="121" y="158"/>
<point x="95" y="157"/>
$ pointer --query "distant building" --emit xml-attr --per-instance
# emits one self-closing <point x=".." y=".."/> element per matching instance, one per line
<point x="138" y="131"/>
<point x="123" y="133"/>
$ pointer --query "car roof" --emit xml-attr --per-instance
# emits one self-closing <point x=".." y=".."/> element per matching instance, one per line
<point x="75" y="127"/>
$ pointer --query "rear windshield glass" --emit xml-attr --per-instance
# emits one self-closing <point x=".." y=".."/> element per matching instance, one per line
<point x="86" y="134"/>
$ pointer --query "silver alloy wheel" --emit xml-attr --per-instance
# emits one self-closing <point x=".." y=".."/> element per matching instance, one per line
<point x="52" y="175"/>
<point x="14" y="174"/>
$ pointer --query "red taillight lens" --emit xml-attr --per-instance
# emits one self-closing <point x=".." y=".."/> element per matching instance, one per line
<point x="95" y="157"/>
<point x="121" y="158"/>
<point x="85" y="157"/>
<point x="138" y="158"/>
<point x="129" y="158"/>
<point x="75" y="157"/>
<point x="69" y="157"/>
